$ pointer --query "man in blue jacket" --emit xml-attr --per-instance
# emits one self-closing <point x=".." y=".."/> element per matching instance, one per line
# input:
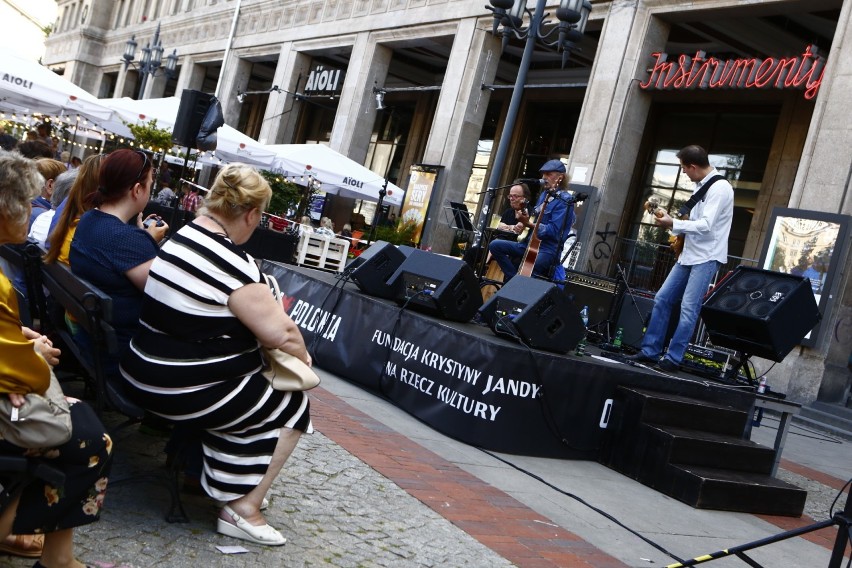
<point x="557" y="217"/>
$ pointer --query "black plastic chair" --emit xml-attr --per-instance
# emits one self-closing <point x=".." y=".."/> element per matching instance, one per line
<point x="92" y="310"/>
<point x="16" y="472"/>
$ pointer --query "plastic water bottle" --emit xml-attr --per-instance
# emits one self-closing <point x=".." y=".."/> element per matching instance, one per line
<point x="581" y="346"/>
<point x="618" y="337"/>
<point x="761" y="386"/>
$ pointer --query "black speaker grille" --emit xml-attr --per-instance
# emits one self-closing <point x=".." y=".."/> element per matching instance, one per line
<point x="760" y="309"/>
<point x="749" y="283"/>
<point x="733" y="302"/>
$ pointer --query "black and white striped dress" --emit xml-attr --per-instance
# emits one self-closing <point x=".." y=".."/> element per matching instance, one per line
<point x="194" y="362"/>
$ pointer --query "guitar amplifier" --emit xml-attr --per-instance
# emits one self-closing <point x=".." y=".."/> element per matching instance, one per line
<point x="593" y="290"/>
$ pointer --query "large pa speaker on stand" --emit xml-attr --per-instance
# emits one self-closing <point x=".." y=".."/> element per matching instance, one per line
<point x="535" y="312"/>
<point x="436" y="284"/>
<point x="193" y="107"/>
<point x="760" y="312"/>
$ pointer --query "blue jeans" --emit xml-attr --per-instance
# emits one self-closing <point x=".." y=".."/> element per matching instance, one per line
<point x="689" y="283"/>
<point x="508" y="255"/>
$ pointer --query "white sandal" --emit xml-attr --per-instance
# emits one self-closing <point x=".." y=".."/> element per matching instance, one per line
<point x="243" y="530"/>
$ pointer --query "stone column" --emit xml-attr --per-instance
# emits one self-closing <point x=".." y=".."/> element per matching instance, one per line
<point x="237" y="71"/>
<point x="356" y="111"/>
<point x="191" y="75"/>
<point x="612" y="120"/>
<point x="282" y="109"/>
<point x="457" y="124"/>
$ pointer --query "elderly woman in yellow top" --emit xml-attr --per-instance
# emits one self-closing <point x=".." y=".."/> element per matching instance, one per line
<point x="25" y="359"/>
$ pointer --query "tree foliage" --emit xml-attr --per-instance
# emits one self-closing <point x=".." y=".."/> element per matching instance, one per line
<point x="285" y="194"/>
<point x="149" y="136"/>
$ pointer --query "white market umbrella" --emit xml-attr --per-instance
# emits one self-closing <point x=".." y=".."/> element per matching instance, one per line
<point x="232" y="145"/>
<point x="337" y="173"/>
<point x="27" y="87"/>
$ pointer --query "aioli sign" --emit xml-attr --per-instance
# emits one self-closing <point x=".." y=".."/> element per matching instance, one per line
<point x="803" y="71"/>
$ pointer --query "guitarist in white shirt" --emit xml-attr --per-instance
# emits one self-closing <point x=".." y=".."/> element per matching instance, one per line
<point x="705" y="249"/>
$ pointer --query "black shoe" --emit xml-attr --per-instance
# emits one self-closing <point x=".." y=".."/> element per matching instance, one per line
<point x="641" y="358"/>
<point x="667" y="365"/>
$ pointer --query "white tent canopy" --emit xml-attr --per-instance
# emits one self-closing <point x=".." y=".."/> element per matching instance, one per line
<point x="337" y="173"/>
<point x="232" y="145"/>
<point x="27" y="87"/>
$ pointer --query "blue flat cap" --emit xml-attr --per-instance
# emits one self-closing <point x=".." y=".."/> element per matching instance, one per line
<point x="553" y="166"/>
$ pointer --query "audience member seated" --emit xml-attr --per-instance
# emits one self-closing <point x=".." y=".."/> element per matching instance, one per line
<point x="166" y="195"/>
<point x="197" y="360"/>
<point x="111" y="253"/>
<point x="305" y="226"/>
<point x="61" y="188"/>
<point x="25" y="359"/>
<point x="49" y="170"/>
<point x="326" y="228"/>
<point x="68" y="213"/>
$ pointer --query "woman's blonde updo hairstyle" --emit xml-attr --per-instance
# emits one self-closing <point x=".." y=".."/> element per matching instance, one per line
<point x="238" y="188"/>
<point x="20" y="182"/>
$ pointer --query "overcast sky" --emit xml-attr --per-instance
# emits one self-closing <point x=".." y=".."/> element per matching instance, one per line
<point x="19" y="33"/>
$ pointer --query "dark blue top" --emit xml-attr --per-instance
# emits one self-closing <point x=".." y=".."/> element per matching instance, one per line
<point x="103" y="249"/>
<point x="556" y="221"/>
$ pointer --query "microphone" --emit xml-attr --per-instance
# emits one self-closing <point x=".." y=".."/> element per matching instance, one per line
<point x="533" y="183"/>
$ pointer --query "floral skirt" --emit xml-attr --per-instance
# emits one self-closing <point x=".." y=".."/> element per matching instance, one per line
<point x="85" y="460"/>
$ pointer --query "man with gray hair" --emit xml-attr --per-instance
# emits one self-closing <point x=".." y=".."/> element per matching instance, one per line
<point x="61" y="187"/>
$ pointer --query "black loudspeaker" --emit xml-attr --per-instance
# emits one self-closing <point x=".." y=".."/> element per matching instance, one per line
<point x="439" y="285"/>
<point x="633" y="317"/>
<point x="374" y="267"/>
<point x="634" y="313"/>
<point x="597" y="292"/>
<point x="193" y="107"/>
<point x="760" y="312"/>
<point x="537" y="313"/>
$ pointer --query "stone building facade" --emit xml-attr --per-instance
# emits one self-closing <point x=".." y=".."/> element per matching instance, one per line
<point x="311" y="70"/>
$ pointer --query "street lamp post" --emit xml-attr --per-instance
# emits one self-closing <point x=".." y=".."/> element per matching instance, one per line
<point x="151" y="62"/>
<point x="573" y="15"/>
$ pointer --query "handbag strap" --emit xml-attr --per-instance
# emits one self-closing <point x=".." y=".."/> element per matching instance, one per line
<point x="272" y="282"/>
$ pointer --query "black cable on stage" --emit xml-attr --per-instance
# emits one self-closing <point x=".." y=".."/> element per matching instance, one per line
<point x="583" y="502"/>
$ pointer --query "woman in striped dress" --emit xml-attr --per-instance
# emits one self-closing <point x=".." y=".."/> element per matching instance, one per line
<point x="207" y="310"/>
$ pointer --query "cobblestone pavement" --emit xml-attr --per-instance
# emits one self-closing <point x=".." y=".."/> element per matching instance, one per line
<point x="333" y="509"/>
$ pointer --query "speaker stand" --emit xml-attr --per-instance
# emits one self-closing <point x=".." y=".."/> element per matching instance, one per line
<point x="741" y="363"/>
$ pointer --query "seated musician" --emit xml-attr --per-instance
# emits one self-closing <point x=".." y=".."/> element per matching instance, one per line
<point x="519" y="198"/>
<point x="554" y="218"/>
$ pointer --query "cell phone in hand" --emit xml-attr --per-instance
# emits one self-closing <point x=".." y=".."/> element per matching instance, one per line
<point x="148" y="222"/>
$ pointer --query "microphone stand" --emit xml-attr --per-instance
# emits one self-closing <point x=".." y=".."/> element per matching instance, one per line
<point x="623" y="277"/>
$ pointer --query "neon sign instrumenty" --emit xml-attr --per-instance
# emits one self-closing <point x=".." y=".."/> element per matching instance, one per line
<point x="801" y="72"/>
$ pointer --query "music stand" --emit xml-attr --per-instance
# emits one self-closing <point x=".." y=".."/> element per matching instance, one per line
<point x="461" y="217"/>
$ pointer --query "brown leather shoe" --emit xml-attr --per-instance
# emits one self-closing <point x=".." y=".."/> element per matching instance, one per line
<point x="25" y="545"/>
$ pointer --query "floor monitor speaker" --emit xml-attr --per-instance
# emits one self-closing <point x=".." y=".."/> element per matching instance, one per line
<point x="535" y="312"/>
<point x="760" y="312"/>
<point x="193" y="107"/>
<point x="439" y="285"/>
<point x="374" y="267"/>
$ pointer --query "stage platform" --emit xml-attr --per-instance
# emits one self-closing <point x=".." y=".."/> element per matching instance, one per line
<point x="463" y="381"/>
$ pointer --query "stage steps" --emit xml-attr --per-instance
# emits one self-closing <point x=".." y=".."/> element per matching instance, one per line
<point x="696" y="452"/>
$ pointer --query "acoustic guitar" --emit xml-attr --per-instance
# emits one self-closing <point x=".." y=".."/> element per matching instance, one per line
<point x="675" y="241"/>
<point x="527" y="265"/>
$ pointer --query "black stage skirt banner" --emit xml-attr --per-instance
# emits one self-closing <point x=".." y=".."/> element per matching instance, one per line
<point x="458" y="378"/>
